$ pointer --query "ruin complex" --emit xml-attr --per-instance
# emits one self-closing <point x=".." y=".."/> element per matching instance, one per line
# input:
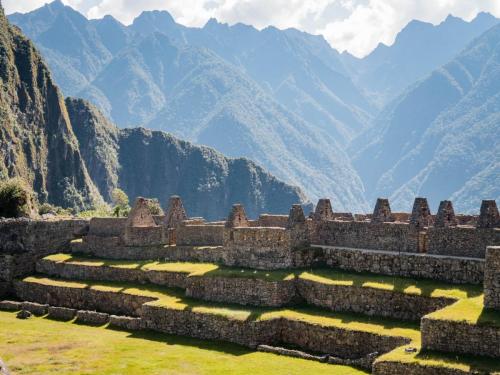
<point x="284" y="284"/>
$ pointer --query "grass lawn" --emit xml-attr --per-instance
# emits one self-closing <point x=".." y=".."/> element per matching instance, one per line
<point x="42" y="346"/>
<point x="470" y="311"/>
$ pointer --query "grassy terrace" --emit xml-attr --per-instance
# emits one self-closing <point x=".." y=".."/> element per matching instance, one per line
<point x="43" y="346"/>
<point x="422" y="287"/>
<point x="470" y="311"/>
<point x="174" y="299"/>
<point x="436" y="359"/>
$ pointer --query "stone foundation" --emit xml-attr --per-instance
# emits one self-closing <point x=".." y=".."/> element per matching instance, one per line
<point x="398" y="368"/>
<point x="460" y="337"/>
<point x="492" y="278"/>
<point x="450" y="269"/>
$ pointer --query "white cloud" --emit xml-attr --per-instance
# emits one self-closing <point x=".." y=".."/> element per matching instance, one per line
<point x="353" y="25"/>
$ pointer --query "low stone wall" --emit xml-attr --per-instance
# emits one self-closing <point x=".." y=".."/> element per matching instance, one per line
<point x="199" y="235"/>
<point x="209" y="326"/>
<point x="398" y="368"/>
<point x="451" y="269"/>
<point x="132" y="275"/>
<point x="492" y="278"/>
<point x="369" y="301"/>
<point x="367" y="235"/>
<point x="336" y="341"/>
<point x="460" y="337"/>
<point x="244" y="291"/>
<point x="107" y="226"/>
<point x="267" y="220"/>
<point x="81" y="298"/>
<point x="462" y="241"/>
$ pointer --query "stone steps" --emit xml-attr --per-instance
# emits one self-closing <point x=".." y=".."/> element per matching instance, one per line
<point x="340" y="335"/>
<point x="336" y="290"/>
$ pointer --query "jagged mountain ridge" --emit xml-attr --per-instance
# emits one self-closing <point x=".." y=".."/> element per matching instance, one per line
<point x="156" y="164"/>
<point x="62" y="147"/>
<point x="36" y="138"/>
<point x="196" y="94"/>
<point x="418" y="49"/>
<point x="440" y="139"/>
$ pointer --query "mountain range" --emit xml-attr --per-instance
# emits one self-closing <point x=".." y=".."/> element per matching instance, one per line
<point x="74" y="157"/>
<point x="418" y="117"/>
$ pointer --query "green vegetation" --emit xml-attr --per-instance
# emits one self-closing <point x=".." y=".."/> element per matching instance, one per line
<point x="16" y="198"/>
<point x="99" y="210"/>
<point x="437" y="359"/>
<point x="154" y="206"/>
<point x="48" y="208"/>
<point x="424" y="287"/>
<point x="121" y="203"/>
<point x="42" y="346"/>
<point x="470" y="311"/>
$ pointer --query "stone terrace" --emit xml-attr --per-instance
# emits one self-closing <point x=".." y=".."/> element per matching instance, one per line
<point x="388" y="292"/>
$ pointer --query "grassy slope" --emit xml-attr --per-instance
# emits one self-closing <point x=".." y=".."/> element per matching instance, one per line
<point x="42" y="346"/>
<point x="422" y="287"/>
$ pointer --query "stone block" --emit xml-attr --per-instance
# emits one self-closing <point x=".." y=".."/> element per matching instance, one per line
<point x="492" y="278"/>
<point x="140" y="215"/>
<point x="176" y="213"/>
<point x="36" y="309"/>
<point x="323" y="210"/>
<point x="237" y="217"/>
<point x="92" y="317"/>
<point x="488" y="216"/>
<point x="421" y="214"/>
<point x="10" y="305"/>
<point x="382" y="212"/>
<point x="125" y="322"/>
<point x="61" y="313"/>
<point x="446" y="215"/>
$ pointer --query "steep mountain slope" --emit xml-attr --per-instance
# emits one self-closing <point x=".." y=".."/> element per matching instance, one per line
<point x="194" y="93"/>
<point x="36" y="138"/>
<point x="155" y="164"/>
<point x="300" y="70"/>
<point x="418" y="49"/>
<point x="440" y="139"/>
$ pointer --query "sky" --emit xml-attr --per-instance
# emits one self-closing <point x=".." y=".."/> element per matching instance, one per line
<point x="353" y="25"/>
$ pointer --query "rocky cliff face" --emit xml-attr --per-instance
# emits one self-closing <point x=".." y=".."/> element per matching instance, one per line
<point x="156" y="164"/>
<point x="36" y="139"/>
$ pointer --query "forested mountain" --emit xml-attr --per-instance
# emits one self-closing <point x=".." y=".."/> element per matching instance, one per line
<point x="418" y="49"/>
<point x="170" y="81"/>
<point x="73" y="156"/>
<point x="419" y="117"/>
<point x="36" y="138"/>
<point x="440" y="138"/>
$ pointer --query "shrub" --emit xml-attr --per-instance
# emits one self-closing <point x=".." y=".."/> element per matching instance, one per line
<point x="102" y="210"/>
<point x="121" y="203"/>
<point x="155" y="207"/>
<point x="16" y="198"/>
<point x="48" y="208"/>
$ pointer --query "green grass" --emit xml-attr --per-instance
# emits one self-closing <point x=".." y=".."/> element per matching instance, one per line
<point x="436" y="359"/>
<point x="42" y="346"/>
<point x="470" y="311"/>
<point x="429" y="288"/>
<point x="174" y="299"/>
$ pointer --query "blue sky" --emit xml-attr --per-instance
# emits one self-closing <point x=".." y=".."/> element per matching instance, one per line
<point x="353" y="25"/>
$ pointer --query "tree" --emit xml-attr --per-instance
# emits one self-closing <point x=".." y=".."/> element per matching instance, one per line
<point x="120" y="202"/>
<point x="16" y="198"/>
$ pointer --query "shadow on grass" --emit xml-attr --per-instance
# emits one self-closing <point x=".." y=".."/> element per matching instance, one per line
<point x="477" y="364"/>
<point x="168" y="339"/>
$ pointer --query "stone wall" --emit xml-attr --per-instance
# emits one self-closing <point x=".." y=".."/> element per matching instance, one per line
<point x="267" y="220"/>
<point x="369" y="301"/>
<point x="492" y="278"/>
<point x="107" y="226"/>
<point x="259" y="248"/>
<point x="244" y="291"/>
<point x="199" y="235"/>
<point x="462" y="241"/>
<point x="460" y="337"/>
<point x="452" y="269"/>
<point x="413" y="368"/>
<point x="24" y="241"/>
<point x="367" y="235"/>
<point x="81" y="298"/>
